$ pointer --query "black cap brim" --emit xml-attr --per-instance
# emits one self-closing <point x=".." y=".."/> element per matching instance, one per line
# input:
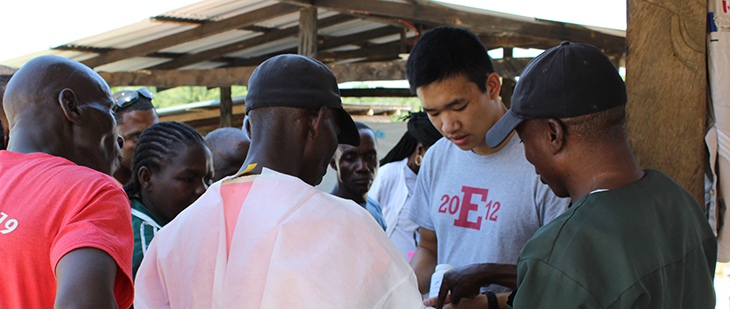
<point x="502" y="129"/>
<point x="348" y="131"/>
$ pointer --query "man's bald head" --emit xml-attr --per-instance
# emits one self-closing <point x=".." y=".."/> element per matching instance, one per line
<point x="38" y="83"/>
<point x="62" y="107"/>
<point x="229" y="147"/>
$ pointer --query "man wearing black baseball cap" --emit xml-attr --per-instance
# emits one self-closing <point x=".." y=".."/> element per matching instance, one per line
<point x="265" y="238"/>
<point x="632" y="238"/>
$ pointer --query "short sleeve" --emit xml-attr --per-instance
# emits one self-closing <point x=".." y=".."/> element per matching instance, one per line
<point x="549" y="206"/>
<point x="418" y="211"/>
<point x="102" y="220"/>
<point x="542" y="286"/>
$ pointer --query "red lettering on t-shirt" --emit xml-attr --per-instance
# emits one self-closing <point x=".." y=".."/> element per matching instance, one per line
<point x="467" y="206"/>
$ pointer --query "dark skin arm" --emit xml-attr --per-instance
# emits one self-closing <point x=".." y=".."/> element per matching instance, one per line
<point x="85" y="279"/>
<point x="465" y="282"/>
<point x="425" y="259"/>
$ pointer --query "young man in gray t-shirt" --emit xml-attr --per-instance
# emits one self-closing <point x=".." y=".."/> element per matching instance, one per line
<point x="474" y="204"/>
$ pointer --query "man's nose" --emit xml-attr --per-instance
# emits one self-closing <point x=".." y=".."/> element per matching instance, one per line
<point x="450" y="125"/>
<point x="362" y="166"/>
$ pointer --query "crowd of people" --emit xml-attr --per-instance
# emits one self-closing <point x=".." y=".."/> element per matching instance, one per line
<point x="541" y="205"/>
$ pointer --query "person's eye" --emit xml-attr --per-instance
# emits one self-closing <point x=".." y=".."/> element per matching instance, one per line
<point x="461" y="108"/>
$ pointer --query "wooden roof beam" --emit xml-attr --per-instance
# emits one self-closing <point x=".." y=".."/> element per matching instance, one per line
<point x="203" y="31"/>
<point x="223" y="77"/>
<point x="325" y="44"/>
<point x="271" y="36"/>
<point x="180" y="20"/>
<point x="478" y="23"/>
<point x="376" y="51"/>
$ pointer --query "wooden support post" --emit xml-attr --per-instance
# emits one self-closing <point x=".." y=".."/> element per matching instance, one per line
<point x="403" y="43"/>
<point x="507" y="52"/>
<point x="666" y="83"/>
<point x="308" y="32"/>
<point x="226" y="107"/>
<point x="508" y="88"/>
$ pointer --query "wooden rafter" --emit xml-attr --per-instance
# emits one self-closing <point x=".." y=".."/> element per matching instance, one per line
<point x="270" y="36"/>
<point x="202" y="31"/>
<point x="325" y="44"/>
<point x="390" y="50"/>
<point x="376" y="92"/>
<point x="180" y="20"/>
<point x="478" y="23"/>
<point x="223" y="77"/>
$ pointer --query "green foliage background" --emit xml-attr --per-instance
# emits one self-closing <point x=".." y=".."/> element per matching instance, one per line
<point x="184" y="95"/>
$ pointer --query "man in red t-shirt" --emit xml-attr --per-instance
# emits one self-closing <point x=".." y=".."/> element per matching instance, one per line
<point x="65" y="229"/>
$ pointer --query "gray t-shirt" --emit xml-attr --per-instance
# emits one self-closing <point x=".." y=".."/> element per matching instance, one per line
<point x="482" y="208"/>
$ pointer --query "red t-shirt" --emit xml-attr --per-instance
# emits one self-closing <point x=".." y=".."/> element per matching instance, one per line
<point x="50" y="206"/>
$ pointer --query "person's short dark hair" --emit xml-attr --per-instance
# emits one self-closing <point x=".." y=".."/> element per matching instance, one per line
<point x="142" y="104"/>
<point x="607" y="125"/>
<point x="158" y="144"/>
<point x="420" y="130"/>
<point x="446" y="52"/>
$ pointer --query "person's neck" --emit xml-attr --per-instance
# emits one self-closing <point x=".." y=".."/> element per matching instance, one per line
<point x="29" y="140"/>
<point x="273" y="156"/>
<point x="343" y="192"/>
<point x="609" y="167"/>
<point x="484" y="150"/>
<point x="151" y="207"/>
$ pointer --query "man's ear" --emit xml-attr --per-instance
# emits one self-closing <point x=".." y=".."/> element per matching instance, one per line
<point x="144" y="176"/>
<point x="70" y="105"/>
<point x="333" y="163"/>
<point x="316" y="120"/>
<point x="556" y="135"/>
<point x="493" y="86"/>
<point x="247" y="126"/>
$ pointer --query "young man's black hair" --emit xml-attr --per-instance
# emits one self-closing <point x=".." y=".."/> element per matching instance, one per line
<point x="446" y="52"/>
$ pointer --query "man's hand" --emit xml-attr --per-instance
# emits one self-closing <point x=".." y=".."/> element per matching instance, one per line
<point x="85" y="279"/>
<point x="465" y="282"/>
<point x="479" y="302"/>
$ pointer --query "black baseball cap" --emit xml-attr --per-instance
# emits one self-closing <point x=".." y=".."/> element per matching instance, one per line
<point x="301" y="82"/>
<point x="566" y="81"/>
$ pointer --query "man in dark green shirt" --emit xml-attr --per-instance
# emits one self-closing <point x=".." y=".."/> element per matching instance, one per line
<point x="632" y="238"/>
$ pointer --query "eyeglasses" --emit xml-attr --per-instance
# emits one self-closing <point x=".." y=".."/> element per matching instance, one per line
<point x="128" y="98"/>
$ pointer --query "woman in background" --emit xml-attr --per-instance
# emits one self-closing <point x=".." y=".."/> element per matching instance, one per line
<point x="171" y="168"/>
<point x="396" y="180"/>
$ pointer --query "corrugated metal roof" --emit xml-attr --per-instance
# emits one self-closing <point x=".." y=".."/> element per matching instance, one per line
<point x="216" y="10"/>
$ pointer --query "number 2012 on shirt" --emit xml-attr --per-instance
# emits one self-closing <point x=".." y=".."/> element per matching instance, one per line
<point x="10" y="225"/>
<point x="469" y="201"/>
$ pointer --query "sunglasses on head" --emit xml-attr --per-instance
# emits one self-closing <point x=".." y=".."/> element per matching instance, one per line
<point x="128" y="98"/>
